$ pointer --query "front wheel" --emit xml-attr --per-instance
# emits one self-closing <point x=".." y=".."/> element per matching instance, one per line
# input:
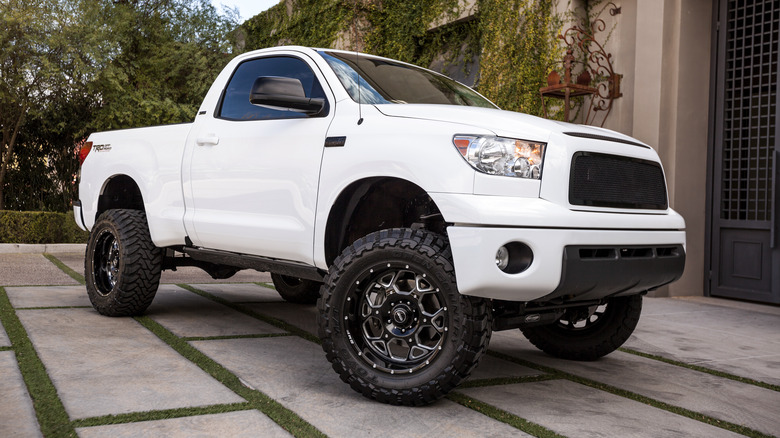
<point x="122" y="266"/>
<point x="588" y="333"/>
<point x="393" y="324"/>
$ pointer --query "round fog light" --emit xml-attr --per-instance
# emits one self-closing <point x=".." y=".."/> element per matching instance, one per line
<point x="514" y="257"/>
<point x="502" y="258"/>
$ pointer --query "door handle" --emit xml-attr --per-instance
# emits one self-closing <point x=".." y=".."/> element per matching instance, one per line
<point x="209" y="140"/>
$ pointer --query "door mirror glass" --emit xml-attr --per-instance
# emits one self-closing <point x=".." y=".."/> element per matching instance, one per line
<point x="284" y="94"/>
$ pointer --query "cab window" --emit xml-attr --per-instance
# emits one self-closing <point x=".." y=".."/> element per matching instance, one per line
<point x="235" y="103"/>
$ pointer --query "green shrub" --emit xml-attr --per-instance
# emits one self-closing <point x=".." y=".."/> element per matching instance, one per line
<point x="39" y="227"/>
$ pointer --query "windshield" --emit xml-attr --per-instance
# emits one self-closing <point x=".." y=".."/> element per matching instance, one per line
<point x="385" y="82"/>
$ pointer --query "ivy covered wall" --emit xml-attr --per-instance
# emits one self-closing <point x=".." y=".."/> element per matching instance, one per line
<point x="512" y="43"/>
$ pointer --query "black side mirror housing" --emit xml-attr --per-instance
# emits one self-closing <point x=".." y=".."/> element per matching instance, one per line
<point x="284" y="93"/>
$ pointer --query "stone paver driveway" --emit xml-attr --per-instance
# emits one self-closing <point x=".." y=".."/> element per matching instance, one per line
<point x="233" y="359"/>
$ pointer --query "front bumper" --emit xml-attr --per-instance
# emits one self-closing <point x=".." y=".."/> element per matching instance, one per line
<point x="571" y="264"/>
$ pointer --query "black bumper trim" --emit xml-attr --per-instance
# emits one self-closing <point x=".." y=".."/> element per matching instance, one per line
<point x="596" y="272"/>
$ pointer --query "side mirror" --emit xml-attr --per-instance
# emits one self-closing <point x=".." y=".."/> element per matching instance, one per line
<point x="284" y="93"/>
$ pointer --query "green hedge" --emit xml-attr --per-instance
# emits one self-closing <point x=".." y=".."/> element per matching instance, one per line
<point x="39" y="227"/>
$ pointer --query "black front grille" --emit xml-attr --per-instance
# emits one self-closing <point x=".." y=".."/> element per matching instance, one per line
<point x="602" y="180"/>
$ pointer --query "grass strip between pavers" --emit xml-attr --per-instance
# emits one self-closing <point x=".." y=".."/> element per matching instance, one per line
<point x="53" y="307"/>
<point x="284" y="417"/>
<point x="64" y="268"/>
<point x="52" y="418"/>
<point x="733" y="427"/>
<point x="503" y="416"/>
<point x="6" y="348"/>
<point x="273" y="321"/>
<point x="219" y="338"/>
<point x="481" y="383"/>
<point x="702" y="369"/>
<point x="163" y="414"/>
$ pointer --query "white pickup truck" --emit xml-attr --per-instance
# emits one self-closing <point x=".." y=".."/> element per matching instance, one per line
<point x="418" y="215"/>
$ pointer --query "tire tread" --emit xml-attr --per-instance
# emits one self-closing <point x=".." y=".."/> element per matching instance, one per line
<point x="477" y="319"/>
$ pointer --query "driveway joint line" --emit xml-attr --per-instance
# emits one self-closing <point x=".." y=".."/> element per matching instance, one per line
<point x="65" y="268"/>
<point x="503" y="416"/>
<point x="702" y="369"/>
<point x="281" y="415"/>
<point x="273" y="321"/>
<point x="162" y="414"/>
<point x="53" y="420"/>
<point x="220" y="338"/>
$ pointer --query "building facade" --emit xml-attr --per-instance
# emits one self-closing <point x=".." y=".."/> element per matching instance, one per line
<point x="699" y="84"/>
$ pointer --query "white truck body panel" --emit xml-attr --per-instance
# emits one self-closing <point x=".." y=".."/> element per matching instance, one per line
<point x="152" y="158"/>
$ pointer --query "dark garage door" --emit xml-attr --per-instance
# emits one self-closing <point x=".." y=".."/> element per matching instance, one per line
<point x="745" y="256"/>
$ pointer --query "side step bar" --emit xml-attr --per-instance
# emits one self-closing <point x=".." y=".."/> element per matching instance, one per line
<point x="247" y="261"/>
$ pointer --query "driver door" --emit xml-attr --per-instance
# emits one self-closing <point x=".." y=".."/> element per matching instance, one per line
<point x="252" y="173"/>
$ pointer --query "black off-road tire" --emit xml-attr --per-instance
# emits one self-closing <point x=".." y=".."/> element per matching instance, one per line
<point x="122" y="266"/>
<point x="392" y="322"/>
<point x="296" y="290"/>
<point x="588" y="336"/>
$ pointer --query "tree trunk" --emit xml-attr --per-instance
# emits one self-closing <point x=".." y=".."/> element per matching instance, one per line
<point x="7" y="150"/>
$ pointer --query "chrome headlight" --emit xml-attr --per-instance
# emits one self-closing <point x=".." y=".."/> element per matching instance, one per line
<point x="502" y="156"/>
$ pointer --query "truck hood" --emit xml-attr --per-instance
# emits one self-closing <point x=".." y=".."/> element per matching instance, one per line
<point x="502" y="123"/>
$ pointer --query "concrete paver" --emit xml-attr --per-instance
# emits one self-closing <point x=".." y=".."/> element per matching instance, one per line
<point x="241" y="292"/>
<point x="579" y="411"/>
<point x="302" y="316"/>
<point x="73" y="260"/>
<point x="492" y="368"/>
<point x="30" y="270"/>
<point x="295" y="373"/>
<point x="48" y="296"/>
<point x="189" y="315"/>
<point x="694" y="333"/>
<point x="671" y="384"/>
<point x="103" y="366"/>
<point x="240" y="424"/>
<point x="17" y="416"/>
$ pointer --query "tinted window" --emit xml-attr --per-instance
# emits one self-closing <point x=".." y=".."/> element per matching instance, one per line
<point x="235" y="102"/>
<point x="381" y="81"/>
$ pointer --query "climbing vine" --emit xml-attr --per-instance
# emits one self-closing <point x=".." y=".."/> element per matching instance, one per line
<point x="519" y="43"/>
<point x="514" y="40"/>
<point x="314" y="23"/>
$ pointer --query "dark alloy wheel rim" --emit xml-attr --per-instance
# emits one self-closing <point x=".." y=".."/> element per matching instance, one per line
<point x="106" y="262"/>
<point x="583" y="318"/>
<point x="396" y="318"/>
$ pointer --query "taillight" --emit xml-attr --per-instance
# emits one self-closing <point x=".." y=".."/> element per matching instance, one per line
<point x="84" y="151"/>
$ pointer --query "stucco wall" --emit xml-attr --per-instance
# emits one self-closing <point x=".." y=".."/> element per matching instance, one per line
<point x="662" y="47"/>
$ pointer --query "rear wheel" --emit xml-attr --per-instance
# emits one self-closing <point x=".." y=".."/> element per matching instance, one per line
<point x="122" y="266"/>
<point x="393" y="324"/>
<point x="296" y="290"/>
<point x="588" y="333"/>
